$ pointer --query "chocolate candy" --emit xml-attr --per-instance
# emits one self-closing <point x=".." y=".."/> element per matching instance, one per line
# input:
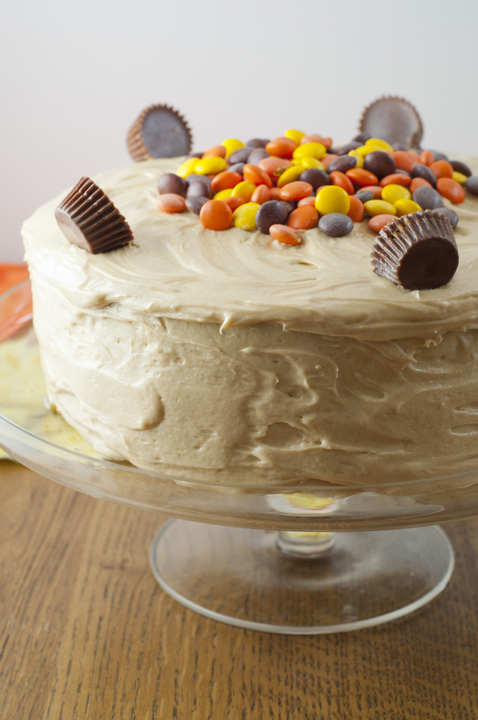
<point x="460" y="167"/>
<point x="317" y="178"/>
<point x="171" y="183"/>
<point x="393" y="119"/>
<point x="194" y="204"/>
<point x="198" y="189"/>
<point x="289" y="205"/>
<point x="240" y="156"/>
<point x="273" y="212"/>
<point x="362" y="138"/>
<point x="439" y="155"/>
<point x="257" y="143"/>
<point x="237" y="167"/>
<point x="471" y="184"/>
<point x="379" y="163"/>
<point x="348" y="147"/>
<point x="364" y="195"/>
<point x="159" y="132"/>
<point x="424" y="172"/>
<point x="427" y="198"/>
<point x="400" y="146"/>
<point x="256" y="156"/>
<point x="417" y="251"/>
<point x="88" y="219"/>
<point x="336" y="224"/>
<point x="403" y="172"/>
<point x="450" y="214"/>
<point x="195" y="178"/>
<point x="342" y="164"/>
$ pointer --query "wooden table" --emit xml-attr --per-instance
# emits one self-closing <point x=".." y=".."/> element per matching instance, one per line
<point x="86" y="633"/>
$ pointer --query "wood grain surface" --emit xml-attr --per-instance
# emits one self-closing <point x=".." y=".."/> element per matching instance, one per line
<point x="86" y="633"/>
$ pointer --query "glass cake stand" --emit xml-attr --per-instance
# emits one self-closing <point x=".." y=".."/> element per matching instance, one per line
<point x="317" y="559"/>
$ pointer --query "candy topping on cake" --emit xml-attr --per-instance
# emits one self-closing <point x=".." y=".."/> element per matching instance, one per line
<point x="417" y="251"/>
<point x="159" y="132"/>
<point x="393" y="119"/>
<point x="89" y="219"/>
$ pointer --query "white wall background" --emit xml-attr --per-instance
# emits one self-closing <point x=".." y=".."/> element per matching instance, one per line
<point x="74" y="75"/>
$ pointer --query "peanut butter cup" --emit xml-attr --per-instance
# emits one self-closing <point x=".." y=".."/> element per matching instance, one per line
<point x="89" y="219"/>
<point x="159" y="132"/>
<point x="417" y="251"/>
<point x="393" y="119"/>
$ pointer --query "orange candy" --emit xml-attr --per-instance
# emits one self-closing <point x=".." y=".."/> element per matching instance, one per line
<point x="406" y="159"/>
<point x="285" y="234"/>
<point x="274" y="166"/>
<point x="419" y="182"/>
<point x="307" y="201"/>
<point x="255" y="175"/>
<point x="171" y="203"/>
<point x="275" y="193"/>
<point x="396" y="179"/>
<point x="261" y="195"/>
<point x="325" y="141"/>
<point x="216" y="151"/>
<point x="442" y="169"/>
<point x="341" y="180"/>
<point x="380" y="221"/>
<point x="361" y="177"/>
<point x="234" y="202"/>
<point x="450" y="189"/>
<point x="327" y="159"/>
<point x="295" y="190"/>
<point x="225" y="180"/>
<point x="303" y="218"/>
<point x="281" y="147"/>
<point x="376" y="191"/>
<point x="427" y="157"/>
<point x="215" y="215"/>
<point x="356" y="211"/>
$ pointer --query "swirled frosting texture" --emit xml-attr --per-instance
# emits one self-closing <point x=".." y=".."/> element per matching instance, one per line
<point x="225" y="356"/>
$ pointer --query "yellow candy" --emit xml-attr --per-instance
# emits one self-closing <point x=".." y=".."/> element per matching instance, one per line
<point x="245" y="216"/>
<point x="222" y="194"/>
<point x="232" y="145"/>
<point x="367" y="149"/>
<point x="315" y="150"/>
<point x="244" y="190"/>
<point x="187" y="168"/>
<point x="380" y="207"/>
<point x="358" y="158"/>
<point x="294" y="135"/>
<point x="210" y="166"/>
<point x="405" y="207"/>
<point x="459" y="177"/>
<point x="391" y="193"/>
<point x="377" y="143"/>
<point x="332" y="199"/>
<point x="308" y="162"/>
<point x="289" y="175"/>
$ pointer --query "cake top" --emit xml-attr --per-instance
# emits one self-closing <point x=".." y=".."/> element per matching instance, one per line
<point x="177" y="268"/>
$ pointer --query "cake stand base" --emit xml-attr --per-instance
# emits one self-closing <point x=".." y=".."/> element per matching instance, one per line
<point x="300" y="583"/>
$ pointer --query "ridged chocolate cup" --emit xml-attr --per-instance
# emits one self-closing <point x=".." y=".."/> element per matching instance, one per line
<point x="159" y="131"/>
<point x="89" y="219"/>
<point x="393" y="119"/>
<point x="417" y="251"/>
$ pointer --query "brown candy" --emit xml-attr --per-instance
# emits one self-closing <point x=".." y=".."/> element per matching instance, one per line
<point x="417" y="251"/>
<point x="393" y="119"/>
<point x="159" y="132"/>
<point x="379" y="163"/>
<point x="172" y="183"/>
<point x="88" y="219"/>
<point x="273" y="212"/>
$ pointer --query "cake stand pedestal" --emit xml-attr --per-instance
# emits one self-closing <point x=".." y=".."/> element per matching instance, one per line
<point x="319" y="559"/>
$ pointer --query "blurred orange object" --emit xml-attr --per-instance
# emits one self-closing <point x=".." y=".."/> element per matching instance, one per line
<point x="11" y="274"/>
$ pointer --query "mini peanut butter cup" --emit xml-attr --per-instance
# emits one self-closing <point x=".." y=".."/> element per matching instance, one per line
<point x="159" y="132"/>
<point x="417" y="251"/>
<point x="393" y="119"/>
<point x="89" y="219"/>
